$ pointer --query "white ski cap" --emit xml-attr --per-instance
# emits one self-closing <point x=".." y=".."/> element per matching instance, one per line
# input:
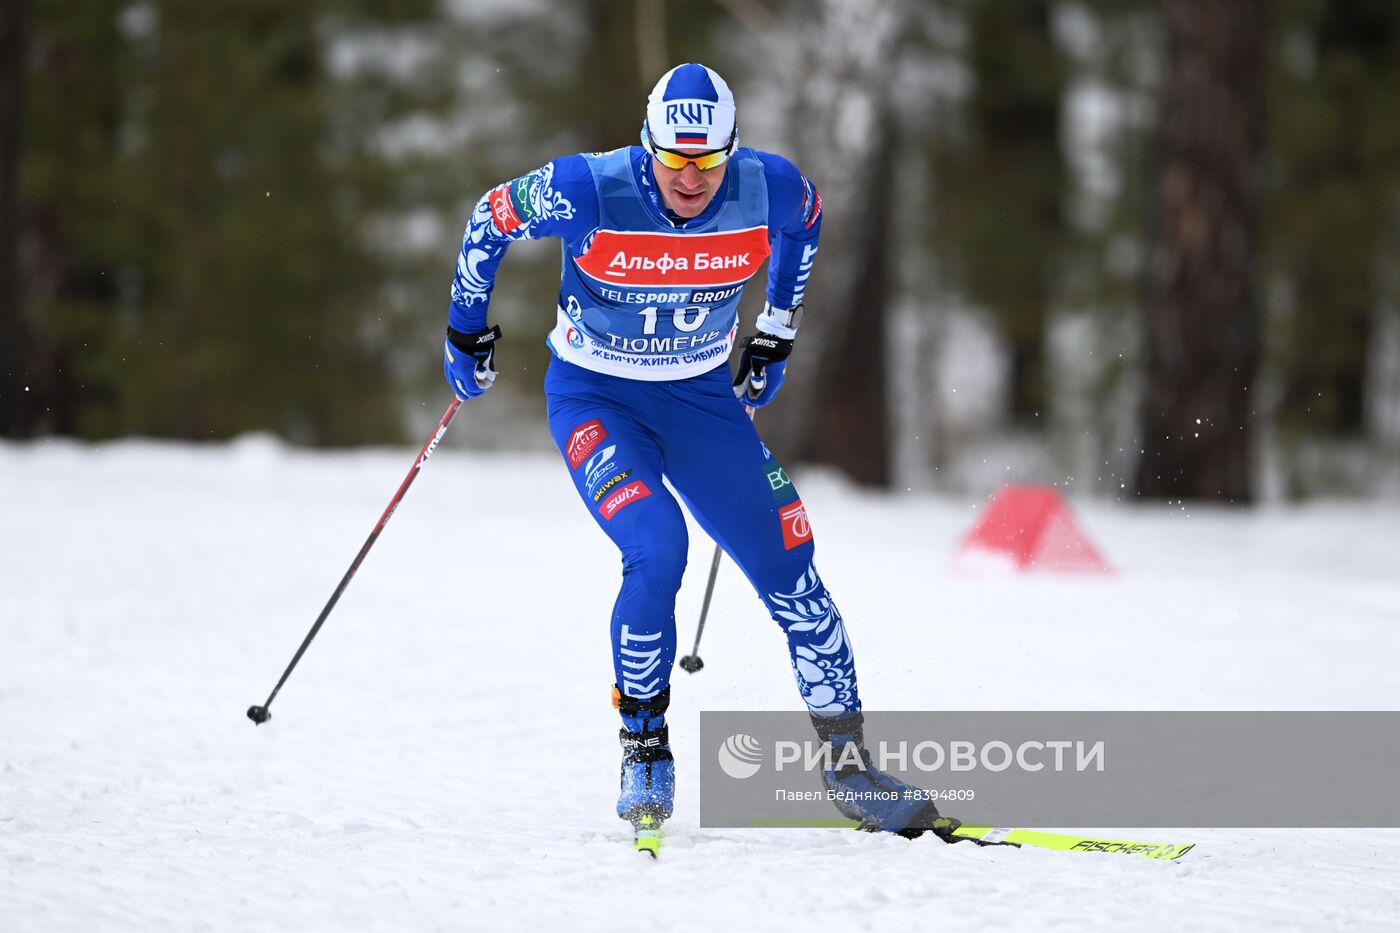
<point x="691" y="107"/>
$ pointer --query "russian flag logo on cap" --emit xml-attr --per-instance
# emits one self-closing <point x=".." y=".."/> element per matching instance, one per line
<point x="691" y="106"/>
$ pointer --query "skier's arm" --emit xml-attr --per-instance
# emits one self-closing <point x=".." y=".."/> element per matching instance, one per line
<point x="794" y="226"/>
<point x="558" y="199"/>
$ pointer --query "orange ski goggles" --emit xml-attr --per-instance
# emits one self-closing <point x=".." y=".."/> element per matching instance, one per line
<point x="678" y="160"/>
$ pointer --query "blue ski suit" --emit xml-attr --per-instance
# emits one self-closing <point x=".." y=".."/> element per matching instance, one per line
<point x="638" y="389"/>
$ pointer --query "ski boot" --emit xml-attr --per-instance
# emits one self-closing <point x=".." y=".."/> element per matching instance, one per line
<point x="877" y="801"/>
<point x="648" y="773"/>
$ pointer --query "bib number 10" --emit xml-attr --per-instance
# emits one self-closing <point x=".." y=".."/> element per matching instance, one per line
<point x="684" y="320"/>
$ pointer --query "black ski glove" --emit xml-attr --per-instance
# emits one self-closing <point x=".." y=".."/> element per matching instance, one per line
<point x="469" y="361"/>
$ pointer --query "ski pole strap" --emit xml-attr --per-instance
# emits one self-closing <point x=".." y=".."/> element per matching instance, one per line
<point x="766" y="347"/>
<point x="476" y="343"/>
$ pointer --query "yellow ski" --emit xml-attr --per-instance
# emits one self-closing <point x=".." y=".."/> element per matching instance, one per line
<point x="648" y="834"/>
<point x="1007" y="836"/>
<point x="1065" y="842"/>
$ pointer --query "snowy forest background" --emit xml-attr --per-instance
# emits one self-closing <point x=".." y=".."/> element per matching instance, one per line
<point x="1135" y="249"/>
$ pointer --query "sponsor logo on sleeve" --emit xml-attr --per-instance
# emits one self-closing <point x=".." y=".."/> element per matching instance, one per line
<point x="811" y="203"/>
<point x="797" y="531"/>
<point x="624" y="497"/>
<point x="779" y="482"/>
<point x="503" y="211"/>
<point x="583" y="440"/>
<point x="522" y="195"/>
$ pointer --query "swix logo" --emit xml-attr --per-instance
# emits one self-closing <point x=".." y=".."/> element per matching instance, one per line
<point x="502" y="211"/>
<point x="432" y="446"/>
<point x="623" y="497"/>
<point x="675" y="259"/>
<point x="797" y="531"/>
<point x="583" y="440"/>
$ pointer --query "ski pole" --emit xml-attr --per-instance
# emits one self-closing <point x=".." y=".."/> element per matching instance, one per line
<point x="260" y="714"/>
<point x="693" y="662"/>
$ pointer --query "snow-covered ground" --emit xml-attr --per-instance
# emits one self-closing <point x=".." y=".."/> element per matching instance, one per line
<point x="445" y="756"/>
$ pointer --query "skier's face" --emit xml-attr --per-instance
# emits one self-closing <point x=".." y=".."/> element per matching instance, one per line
<point x="687" y="191"/>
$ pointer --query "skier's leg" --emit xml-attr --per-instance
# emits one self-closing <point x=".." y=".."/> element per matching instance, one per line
<point x="742" y="497"/>
<point x="615" y="463"/>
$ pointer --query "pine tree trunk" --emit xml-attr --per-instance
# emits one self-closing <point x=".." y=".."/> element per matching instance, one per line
<point x="16" y="410"/>
<point x="1202" y="307"/>
<point x="833" y="408"/>
<point x="1010" y="182"/>
<point x="850" y="401"/>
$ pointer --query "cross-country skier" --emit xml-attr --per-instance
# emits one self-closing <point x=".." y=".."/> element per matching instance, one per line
<point x="658" y="241"/>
